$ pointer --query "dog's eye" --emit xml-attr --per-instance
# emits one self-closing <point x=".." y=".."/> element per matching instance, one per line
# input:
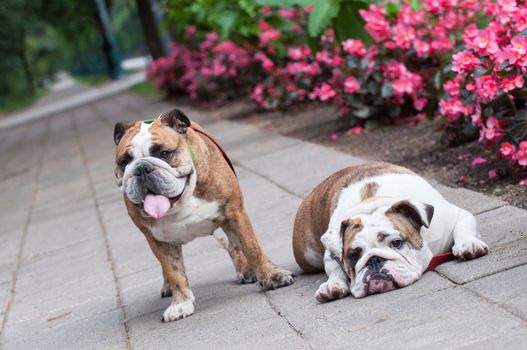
<point x="165" y="155"/>
<point x="124" y="161"/>
<point x="396" y="243"/>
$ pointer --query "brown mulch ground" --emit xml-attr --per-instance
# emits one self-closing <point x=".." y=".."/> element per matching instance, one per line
<point x="418" y="148"/>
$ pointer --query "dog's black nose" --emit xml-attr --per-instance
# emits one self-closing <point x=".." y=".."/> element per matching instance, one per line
<point x="143" y="168"/>
<point x="376" y="262"/>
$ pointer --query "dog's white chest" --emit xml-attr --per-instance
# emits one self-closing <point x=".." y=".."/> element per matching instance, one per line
<point x="194" y="219"/>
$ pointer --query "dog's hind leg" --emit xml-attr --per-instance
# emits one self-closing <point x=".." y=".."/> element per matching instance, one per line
<point x="244" y="273"/>
<point x="241" y="236"/>
<point x="467" y="242"/>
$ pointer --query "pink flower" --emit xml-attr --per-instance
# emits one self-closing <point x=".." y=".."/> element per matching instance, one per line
<point x="486" y="87"/>
<point x="351" y="85"/>
<point x="491" y="131"/>
<point x="422" y="48"/>
<point x="523" y="182"/>
<point x="376" y="24"/>
<point x="452" y="87"/>
<point x="333" y="137"/>
<point x="420" y="103"/>
<point x="287" y="13"/>
<point x="478" y="161"/>
<point x="452" y="109"/>
<point x="464" y="61"/>
<point x="356" y="130"/>
<point x="354" y="47"/>
<point x="521" y="155"/>
<point x="507" y="150"/>
<point x="299" y="53"/>
<point x="492" y="173"/>
<point x="268" y="36"/>
<point x="323" y="92"/>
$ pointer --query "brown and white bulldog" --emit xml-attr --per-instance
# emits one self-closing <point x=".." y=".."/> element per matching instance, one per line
<point x="177" y="186"/>
<point x="375" y="227"/>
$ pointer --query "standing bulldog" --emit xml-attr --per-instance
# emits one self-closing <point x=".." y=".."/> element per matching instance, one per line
<point x="376" y="227"/>
<point x="179" y="185"/>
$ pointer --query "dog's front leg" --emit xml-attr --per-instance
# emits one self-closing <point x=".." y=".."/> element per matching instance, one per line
<point x="467" y="243"/>
<point x="242" y="237"/>
<point x="171" y="258"/>
<point x="337" y="285"/>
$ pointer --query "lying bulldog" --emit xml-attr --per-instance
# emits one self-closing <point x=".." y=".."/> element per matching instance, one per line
<point x="178" y="185"/>
<point x="376" y="227"/>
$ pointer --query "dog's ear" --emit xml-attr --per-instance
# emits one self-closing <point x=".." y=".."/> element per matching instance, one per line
<point x="418" y="213"/>
<point x="176" y="120"/>
<point x="349" y="225"/>
<point x="120" y="130"/>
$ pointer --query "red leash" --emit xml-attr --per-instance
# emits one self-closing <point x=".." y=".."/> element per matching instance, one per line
<point x="440" y="259"/>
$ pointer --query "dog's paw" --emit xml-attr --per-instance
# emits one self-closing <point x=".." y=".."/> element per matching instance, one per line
<point x="276" y="278"/>
<point x="470" y="249"/>
<point x="246" y="277"/>
<point x="178" y="311"/>
<point x="166" y="291"/>
<point x="332" y="290"/>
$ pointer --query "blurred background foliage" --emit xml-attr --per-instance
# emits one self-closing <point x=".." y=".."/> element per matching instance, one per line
<point x="39" y="38"/>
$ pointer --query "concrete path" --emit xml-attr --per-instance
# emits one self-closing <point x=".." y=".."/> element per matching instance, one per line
<point x="75" y="96"/>
<point x="76" y="274"/>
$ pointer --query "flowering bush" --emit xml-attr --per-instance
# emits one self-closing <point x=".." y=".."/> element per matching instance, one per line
<point x="489" y="87"/>
<point x="210" y="70"/>
<point x="397" y="76"/>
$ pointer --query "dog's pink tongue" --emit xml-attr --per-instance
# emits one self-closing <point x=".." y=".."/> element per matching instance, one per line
<point x="156" y="205"/>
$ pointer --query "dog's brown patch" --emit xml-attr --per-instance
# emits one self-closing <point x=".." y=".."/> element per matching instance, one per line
<point x="408" y="230"/>
<point x="368" y="190"/>
<point x="349" y="229"/>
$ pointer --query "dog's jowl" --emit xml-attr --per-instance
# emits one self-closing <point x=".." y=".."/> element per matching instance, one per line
<point x="178" y="185"/>
<point x="376" y="227"/>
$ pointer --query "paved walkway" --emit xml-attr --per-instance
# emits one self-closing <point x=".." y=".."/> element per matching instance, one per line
<point x="76" y="274"/>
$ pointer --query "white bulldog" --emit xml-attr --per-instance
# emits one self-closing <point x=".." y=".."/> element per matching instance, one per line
<point x="375" y="227"/>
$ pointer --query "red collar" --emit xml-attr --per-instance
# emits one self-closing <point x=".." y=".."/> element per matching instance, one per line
<point x="439" y="259"/>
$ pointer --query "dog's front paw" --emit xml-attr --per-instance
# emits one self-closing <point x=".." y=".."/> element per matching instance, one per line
<point x="332" y="290"/>
<point x="470" y="249"/>
<point x="276" y="277"/>
<point x="246" y="277"/>
<point x="178" y="311"/>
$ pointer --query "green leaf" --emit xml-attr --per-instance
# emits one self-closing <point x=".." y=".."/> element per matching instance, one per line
<point x="283" y="3"/>
<point x="349" y="23"/>
<point x="386" y="90"/>
<point x="225" y="21"/>
<point x="392" y="9"/>
<point x="323" y="12"/>
<point x="416" y="5"/>
<point x="362" y="113"/>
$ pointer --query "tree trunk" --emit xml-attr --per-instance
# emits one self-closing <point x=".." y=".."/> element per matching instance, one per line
<point x="22" y="54"/>
<point x="150" y="29"/>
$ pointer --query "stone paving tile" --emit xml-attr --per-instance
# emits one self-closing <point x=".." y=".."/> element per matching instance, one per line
<point x="245" y="142"/>
<point x="507" y="289"/>
<point x="500" y="259"/>
<point x="429" y="314"/>
<point x="472" y="201"/>
<point x="310" y="164"/>
<point x="100" y="332"/>
<point x="504" y="231"/>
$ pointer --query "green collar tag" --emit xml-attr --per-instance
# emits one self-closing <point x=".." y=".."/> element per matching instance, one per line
<point x="192" y="154"/>
<point x="148" y="121"/>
